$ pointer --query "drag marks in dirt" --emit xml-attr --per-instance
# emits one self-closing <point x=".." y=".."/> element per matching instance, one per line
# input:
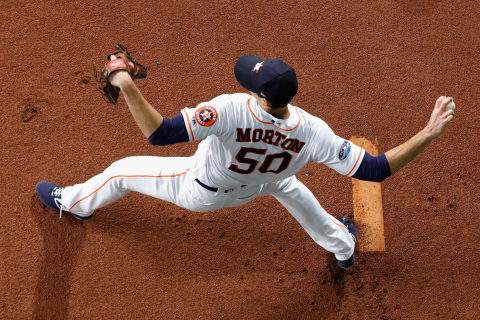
<point x="62" y="242"/>
<point x="358" y="285"/>
<point x="289" y="278"/>
<point x="280" y="271"/>
<point x="333" y="293"/>
<point x="439" y="202"/>
<point x="183" y="220"/>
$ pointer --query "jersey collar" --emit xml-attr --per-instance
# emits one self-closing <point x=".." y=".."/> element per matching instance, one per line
<point x="264" y="117"/>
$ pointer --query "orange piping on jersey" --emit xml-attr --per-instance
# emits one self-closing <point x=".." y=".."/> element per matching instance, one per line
<point x="189" y="126"/>
<point x="338" y="224"/>
<point x="299" y="119"/>
<point x="356" y="162"/>
<point x="124" y="176"/>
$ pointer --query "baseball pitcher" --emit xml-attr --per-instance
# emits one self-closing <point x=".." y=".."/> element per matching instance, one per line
<point x="252" y="145"/>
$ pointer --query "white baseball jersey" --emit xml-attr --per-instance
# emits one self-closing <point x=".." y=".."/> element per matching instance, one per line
<point x="245" y="145"/>
<point x="246" y="153"/>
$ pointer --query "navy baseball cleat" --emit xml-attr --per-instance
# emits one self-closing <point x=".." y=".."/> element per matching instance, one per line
<point x="344" y="264"/>
<point x="51" y="196"/>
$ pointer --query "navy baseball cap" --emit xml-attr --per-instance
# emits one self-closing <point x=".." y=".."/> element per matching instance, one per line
<point x="271" y="79"/>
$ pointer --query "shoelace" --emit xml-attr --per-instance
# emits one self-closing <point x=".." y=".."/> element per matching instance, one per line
<point x="57" y="194"/>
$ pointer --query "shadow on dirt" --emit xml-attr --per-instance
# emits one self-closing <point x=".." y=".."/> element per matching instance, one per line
<point x="62" y="241"/>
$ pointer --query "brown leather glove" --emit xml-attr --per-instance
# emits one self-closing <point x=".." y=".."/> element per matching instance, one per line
<point x="124" y="61"/>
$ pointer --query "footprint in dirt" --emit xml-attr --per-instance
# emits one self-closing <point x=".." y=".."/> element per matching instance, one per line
<point x="29" y="113"/>
<point x="31" y="108"/>
<point x="83" y="79"/>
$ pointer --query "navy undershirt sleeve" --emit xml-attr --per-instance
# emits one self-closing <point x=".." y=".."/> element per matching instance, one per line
<point x="373" y="168"/>
<point x="171" y="131"/>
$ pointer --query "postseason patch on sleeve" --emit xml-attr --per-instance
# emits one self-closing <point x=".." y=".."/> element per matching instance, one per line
<point x="206" y="116"/>
<point x="344" y="150"/>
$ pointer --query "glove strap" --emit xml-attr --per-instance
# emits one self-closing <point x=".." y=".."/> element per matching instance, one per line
<point x="117" y="64"/>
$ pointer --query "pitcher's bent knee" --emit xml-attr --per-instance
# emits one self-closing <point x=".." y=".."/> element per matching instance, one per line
<point x="118" y="167"/>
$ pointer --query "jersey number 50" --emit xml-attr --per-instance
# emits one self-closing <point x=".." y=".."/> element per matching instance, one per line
<point x="242" y="154"/>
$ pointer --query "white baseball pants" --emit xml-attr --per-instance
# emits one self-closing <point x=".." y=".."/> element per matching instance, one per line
<point x="170" y="179"/>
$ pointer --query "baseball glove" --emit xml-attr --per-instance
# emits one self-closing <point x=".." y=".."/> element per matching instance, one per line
<point x="125" y="62"/>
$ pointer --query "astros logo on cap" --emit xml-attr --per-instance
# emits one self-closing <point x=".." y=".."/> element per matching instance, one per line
<point x="258" y="66"/>
<point x="206" y="116"/>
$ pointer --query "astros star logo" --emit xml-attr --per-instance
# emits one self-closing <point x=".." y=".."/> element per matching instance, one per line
<point x="258" y="66"/>
<point x="206" y="116"/>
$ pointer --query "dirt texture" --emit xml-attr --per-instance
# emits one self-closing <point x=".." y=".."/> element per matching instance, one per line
<point x="368" y="68"/>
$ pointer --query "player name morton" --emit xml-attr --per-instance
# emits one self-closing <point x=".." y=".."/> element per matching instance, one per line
<point x="269" y="137"/>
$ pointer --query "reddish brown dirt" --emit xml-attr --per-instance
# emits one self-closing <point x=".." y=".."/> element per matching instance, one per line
<point x="371" y="68"/>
